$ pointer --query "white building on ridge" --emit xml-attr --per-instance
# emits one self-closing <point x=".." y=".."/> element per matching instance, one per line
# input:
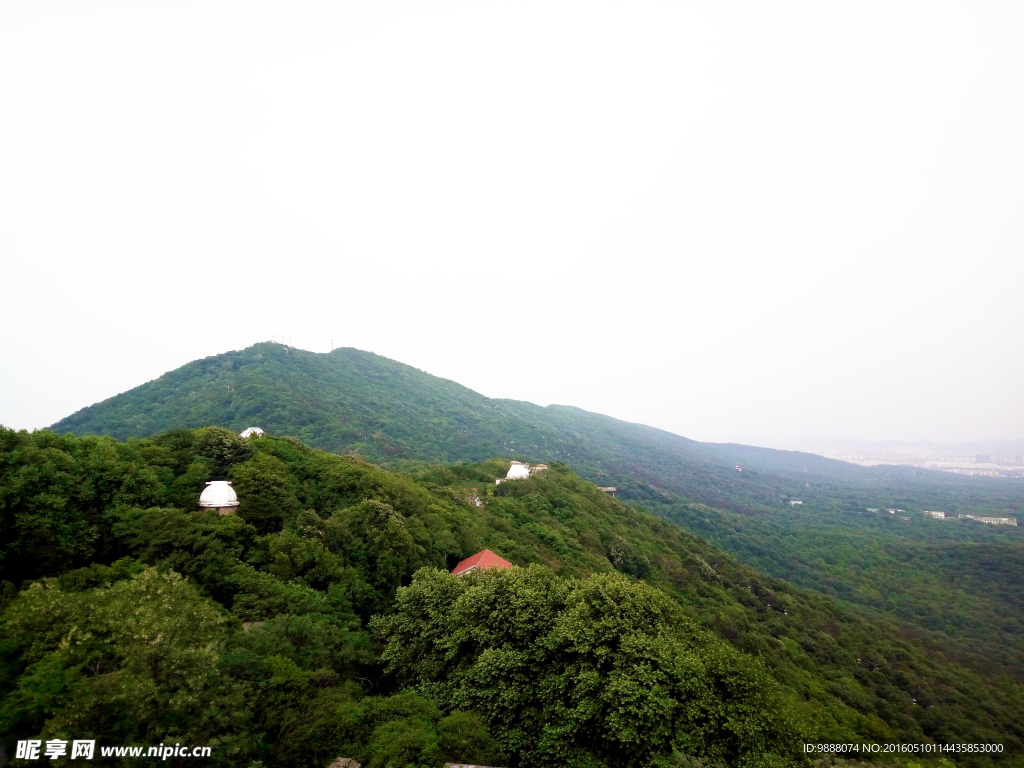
<point x="520" y="470"/>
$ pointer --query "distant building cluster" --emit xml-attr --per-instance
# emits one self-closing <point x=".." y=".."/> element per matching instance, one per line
<point x="520" y="470"/>
<point x="1002" y="460"/>
<point x="958" y="461"/>
<point x="989" y="520"/>
<point x="976" y="518"/>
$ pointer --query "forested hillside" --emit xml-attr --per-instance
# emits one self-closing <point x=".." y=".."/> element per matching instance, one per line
<point x="320" y="620"/>
<point x="961" y="584"/>
<point x="957" y="584"/>
<point x="350" y="401"/>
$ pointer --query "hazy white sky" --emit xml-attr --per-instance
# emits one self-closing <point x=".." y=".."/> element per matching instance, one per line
<point x="741" y="221"/>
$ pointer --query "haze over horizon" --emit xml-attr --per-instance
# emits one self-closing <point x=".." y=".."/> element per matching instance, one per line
<point x="732" y="222"/>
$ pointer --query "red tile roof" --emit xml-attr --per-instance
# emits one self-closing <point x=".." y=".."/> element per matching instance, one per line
<point x="485" y="559"/>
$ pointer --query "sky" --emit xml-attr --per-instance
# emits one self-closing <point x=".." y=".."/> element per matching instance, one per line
<point x="737" y="221"/>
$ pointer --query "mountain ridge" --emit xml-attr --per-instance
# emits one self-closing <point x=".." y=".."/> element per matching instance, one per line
<point x="353" y="401"/>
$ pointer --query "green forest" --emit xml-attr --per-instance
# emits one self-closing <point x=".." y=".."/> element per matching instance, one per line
<point x="321" y="619"/>
<point x="958" y="585"/>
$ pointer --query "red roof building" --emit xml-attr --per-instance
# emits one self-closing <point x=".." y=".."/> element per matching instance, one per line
<point x="481" y="560"/>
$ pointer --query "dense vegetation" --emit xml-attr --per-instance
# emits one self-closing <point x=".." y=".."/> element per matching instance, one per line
<point x="566" y="669"/>
<point x="958" y="583"/>
<point x="320" y="620"/>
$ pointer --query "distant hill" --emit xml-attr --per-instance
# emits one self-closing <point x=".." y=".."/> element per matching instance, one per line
<point x="350" y="401"/>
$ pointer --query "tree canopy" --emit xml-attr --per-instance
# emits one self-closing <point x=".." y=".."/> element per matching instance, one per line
<point x="601" y="671"/>
<point x="128" y="614"/>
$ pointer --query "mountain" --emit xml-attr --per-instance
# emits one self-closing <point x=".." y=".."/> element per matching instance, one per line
<point x="350" y="401"/>
<point x="958" y="584"/>
<point x="276" y="635"/>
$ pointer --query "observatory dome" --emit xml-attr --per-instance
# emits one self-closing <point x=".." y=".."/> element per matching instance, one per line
<point x="251" y="432"/>
<point x="518" y="471"/>
<point x="219" y="495"/>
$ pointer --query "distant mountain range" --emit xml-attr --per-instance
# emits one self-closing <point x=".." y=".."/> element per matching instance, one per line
<point x="351" y="401"/>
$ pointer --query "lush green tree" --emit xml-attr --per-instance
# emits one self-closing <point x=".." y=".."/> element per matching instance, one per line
<point x="136" y="661"/>
<point x="58" y="497"/>
<point x="222" y="447"/>
<point x="262" y="486"/>
<point x="200" y="545"/>
<point x="408" y="730"/>
<point x="595" y="672"/>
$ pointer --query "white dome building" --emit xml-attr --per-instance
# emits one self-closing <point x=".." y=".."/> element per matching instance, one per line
<point x="251" y="432"/>
<point x="518" y="471"/>
<point x="219" y="495"/>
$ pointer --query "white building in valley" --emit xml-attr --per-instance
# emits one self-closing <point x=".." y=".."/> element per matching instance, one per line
<point x="936" y="515"/>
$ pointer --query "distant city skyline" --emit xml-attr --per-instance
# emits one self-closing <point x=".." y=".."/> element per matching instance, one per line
<point x="739" y="223"/>
<point x="991" y="458"/>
